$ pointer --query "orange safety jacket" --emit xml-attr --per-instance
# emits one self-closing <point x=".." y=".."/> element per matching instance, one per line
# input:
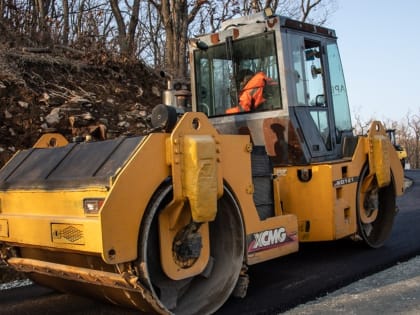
<point x="251" y="95"/>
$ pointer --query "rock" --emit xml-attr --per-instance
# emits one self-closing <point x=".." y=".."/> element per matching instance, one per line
<point x="124" y="124"/>
<point x="104" y="121"/>
<point x="53" y="117"/>
<point x="87" y="116"/>
<point x="44" y="98"/>
<point x="23" y="104"/>
<point x="156" y="91"/>
<point x="133" y="113"/>
<point x="7" y="115"/>
<point x="56" y="100"/>
<point x="3" y="89"/>
<point x="78" y="100"/>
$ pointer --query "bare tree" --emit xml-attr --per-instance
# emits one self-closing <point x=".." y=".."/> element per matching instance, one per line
<point x="79" y="23"/>
<point x="126" y="34"/>
<point x="41" y="13"/>
<point x="210" y="19"/>
<point x="151" y="37"/>
<point x="2" y="9"/>
<point x="155" y="30"/>
<point x="307" y="6"/>
<point x="403" y="137"/>
<point x="413" y="122"/>
<point x="361" y="127"/>
<point x="66" y="22"/>
<point x="176" y="17"/>
<point x="311" y="11"/>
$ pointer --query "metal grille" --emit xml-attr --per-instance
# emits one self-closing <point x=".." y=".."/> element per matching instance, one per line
<point x="263" y="183"/>
<point x="72" y="234"/>
<point x="67" y="233"/>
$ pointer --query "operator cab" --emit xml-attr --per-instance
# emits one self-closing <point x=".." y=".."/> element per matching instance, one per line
<point x="305" y="115"/>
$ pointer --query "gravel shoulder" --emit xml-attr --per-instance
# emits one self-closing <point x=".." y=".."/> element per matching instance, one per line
<point x="8" y="274"/>
<point x="393" y="291"/>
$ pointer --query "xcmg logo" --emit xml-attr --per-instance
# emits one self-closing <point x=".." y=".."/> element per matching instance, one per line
<point x="267" y="239"/>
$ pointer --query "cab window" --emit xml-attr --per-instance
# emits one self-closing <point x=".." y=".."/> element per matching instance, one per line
<point x="217" y="71"/>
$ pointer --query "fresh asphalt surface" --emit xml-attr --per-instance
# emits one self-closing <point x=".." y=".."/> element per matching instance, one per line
<point x="276" y="286"/>
<point x="320" y="268"/>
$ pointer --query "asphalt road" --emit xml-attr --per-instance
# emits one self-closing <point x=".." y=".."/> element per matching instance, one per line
<point x="276" y="286"/>
<point x="320" y="268"/>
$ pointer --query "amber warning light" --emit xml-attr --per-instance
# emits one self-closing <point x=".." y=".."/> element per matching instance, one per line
<point x="92" y="205"/>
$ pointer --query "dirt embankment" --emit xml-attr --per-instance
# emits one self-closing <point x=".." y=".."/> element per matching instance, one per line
<point x="59" y="90"/>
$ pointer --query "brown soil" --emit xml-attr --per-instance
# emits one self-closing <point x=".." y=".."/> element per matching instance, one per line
<point x="39" y="92"/>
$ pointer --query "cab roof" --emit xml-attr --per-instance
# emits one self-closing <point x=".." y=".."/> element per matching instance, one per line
<point x="259" y="23"/>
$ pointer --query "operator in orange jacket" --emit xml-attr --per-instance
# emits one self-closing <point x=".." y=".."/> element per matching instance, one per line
<point x="252" y="88"/>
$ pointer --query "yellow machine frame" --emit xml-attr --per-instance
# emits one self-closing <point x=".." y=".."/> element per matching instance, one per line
<point x="113" y="234"/>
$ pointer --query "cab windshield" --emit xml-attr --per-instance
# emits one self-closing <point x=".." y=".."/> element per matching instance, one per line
<point x="218" y="70"/>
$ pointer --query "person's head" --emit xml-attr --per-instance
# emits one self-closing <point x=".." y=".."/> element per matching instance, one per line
<point x="243" y="76"/>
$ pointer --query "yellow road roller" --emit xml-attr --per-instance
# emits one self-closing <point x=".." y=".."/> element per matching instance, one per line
<point x="169" y="222"/>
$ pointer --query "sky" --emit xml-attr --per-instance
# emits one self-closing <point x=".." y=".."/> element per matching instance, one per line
<point x="379" y="41"/>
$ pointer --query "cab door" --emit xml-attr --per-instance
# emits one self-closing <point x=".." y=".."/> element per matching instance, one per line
<point x="311" y="105"/>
